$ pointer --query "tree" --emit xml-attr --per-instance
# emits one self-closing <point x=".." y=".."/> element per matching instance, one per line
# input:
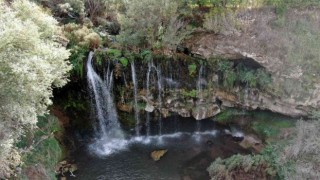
<point x="32" y="63"/>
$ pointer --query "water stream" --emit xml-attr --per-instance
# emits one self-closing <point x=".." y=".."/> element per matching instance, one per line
<point x="135" y="93"/>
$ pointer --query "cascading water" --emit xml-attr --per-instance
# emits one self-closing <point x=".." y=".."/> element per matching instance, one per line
<point x="109" y="135"/>
<point x="199" y="92"/>
<point x="135" y="93"/>
<point x="148" y="96"/>
<point x="199" y="83"/>
<point x="158" y="69"/>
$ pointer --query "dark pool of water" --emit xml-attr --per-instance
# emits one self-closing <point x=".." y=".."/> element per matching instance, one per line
<point x="191" y="148"/>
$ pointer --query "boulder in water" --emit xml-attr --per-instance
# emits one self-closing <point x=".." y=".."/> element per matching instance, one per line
<point x="156" y="155"/>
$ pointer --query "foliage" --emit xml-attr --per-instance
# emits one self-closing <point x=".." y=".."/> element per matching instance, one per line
<point x="81" y="40"/>
<point x="283" y="5"/>
<point x="32" y="63"/>
<point x="159" y="28"/>
<point x="266" y="165"/>
<point x="269" y="124"/>
<point x="192" y="69"/>
<point x="114" y="53"/>
<point x="124" y="61"/>
<point x="45" y="149"/>
<point x="241" y="75"/>
<point x="304" y="151"/>
<point x="192" y="93"/>
<point x="220" y="20"/>
<point x="249" y="164"/>
<point x="146" y="55"/>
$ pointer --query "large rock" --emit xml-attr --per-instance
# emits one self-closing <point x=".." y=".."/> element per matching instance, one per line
<point x="205" y="111"/>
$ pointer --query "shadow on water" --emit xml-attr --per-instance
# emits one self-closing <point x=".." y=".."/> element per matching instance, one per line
<point x="190" y="152"/>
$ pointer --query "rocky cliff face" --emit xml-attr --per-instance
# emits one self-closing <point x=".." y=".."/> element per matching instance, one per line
<point x="272" y="42"/>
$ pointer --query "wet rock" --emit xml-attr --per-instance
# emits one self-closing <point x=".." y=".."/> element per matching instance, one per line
<point x="63" y="168"/>
<point x="125" y="107"/>
<point x="165" y="112"/>
<point x="205" y="111"/>
<point x="156" y="155"/>
<point x="251" y="141"/>
<point x="183" y="112"/>
<point x="149" y="108"/>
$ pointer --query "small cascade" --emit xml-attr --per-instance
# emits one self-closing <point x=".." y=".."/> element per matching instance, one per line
<point x="199" y="92"/>
<point x="135" y="93"/>
<point x="108" y="130"/>
<point x="246" y="96"/>
<point x="199" y="81"/>
<point x="124" y="79"/>
<point x="158" y="69"/>
<point x="148" y="96"/>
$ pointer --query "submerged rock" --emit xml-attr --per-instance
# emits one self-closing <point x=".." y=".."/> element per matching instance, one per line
<point x="156" y="155"/>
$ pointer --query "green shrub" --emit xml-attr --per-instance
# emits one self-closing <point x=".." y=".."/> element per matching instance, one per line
<point x="241" y="75"/>
<point x="192" y="69"/>
<point x="192" y="93"/>
<point x="114" y="53"/>
<point x="124" y="61"/>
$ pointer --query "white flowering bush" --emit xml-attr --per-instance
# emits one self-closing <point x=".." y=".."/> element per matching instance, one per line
<point x="32" y="63"/>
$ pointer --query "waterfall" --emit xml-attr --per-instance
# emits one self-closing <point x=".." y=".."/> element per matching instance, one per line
<point x="136" y="110"/>
<point x="158" y="70"/>
<point x="199" y="83"/>
<point x="148" y="96"/>
<point x="108" y="130"/>
<point x="199" y="92"/>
